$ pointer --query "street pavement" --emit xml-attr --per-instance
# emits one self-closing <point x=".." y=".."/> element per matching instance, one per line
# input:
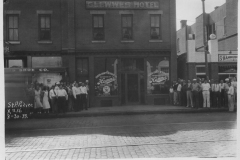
<point x="130" y="136"/>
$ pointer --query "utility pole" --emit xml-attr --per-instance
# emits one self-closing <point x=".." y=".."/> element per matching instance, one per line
<point x="204" y="42"/>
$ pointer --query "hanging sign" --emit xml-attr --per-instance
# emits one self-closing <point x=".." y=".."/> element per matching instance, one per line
<point x="157" y="77"/>
<point x="105" y="83"/>
<point x="227" y="57"/>
<point x="122" y="4"/>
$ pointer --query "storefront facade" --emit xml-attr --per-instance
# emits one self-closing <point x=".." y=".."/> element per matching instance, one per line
<point x="125" y="49"/>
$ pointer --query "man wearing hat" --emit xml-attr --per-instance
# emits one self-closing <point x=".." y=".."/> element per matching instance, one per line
<point x="62" y="96"/>
<point x="83" y="95"/>
<point x="195" y="93"/>
<point x="206" y="94"/>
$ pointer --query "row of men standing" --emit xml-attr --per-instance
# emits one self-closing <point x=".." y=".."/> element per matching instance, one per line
<point x="75" y="93"/>
<point x="203" y="94"/>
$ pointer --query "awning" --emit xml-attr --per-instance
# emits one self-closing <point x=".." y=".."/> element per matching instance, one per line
<point x="34" y="70"/>
<point x="227" y="68"/>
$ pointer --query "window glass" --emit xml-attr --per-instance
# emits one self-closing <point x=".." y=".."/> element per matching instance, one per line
<point x="45" y="27"/>
<point x="157" y="75"/>
<point x="98" y="27"/>
<point x="46" y="62"/>
<point x="155" y="31"/>
<point x="127" y="27"/>
<point x="132" y="64"/>
<point x="12" y="27"/>
<point x="82" y="69"/>
<point x="15" y="63"/>
<point x="106" y="76"/>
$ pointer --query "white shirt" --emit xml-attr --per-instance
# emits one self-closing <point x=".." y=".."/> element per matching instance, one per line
<point x="179" y="87"/>
<point x="171" y="90"/>
<point x="83" y="90"/>
<point x="62" y="93"/>
<point x="205" y="86"/>
<point x="76" y="91"/>
<point x="52" y="94"/>
<point x="216" y="88"/>
<point x="231" y="90"/>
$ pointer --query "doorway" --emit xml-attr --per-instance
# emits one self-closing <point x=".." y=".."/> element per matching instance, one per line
<point x="132" y="89"/>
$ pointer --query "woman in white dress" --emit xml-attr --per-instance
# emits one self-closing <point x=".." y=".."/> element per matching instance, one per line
<point x="38" y="104"/>
<point x="46" y="105"/>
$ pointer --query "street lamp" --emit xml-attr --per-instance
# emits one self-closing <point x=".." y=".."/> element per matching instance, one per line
<point x="204" y="42"/>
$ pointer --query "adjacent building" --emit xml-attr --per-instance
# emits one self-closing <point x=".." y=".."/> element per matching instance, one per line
<point x="221" y="26"/>
<point x="125" y="49"/>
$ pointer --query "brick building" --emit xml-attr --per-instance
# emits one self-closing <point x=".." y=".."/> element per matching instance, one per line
<point x="223" y="50"/>
<point x="126" y="49"/>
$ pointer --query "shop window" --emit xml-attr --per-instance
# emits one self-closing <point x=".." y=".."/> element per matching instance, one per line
<point x="155" y="31"/>
<point x="157" y="75"/>
<point x="98" y="27"/>
<point x="12" y="28"/>
<point x="44" y="27"/>
<point x="200" y="69"/>
<point x="46" y="62"/>
<point x="106" y="76"/>
<point x="130" y="64"/>
<point x="15" y="63"/>
<point x="82" y="69"/>
<point x="127" y="31"/>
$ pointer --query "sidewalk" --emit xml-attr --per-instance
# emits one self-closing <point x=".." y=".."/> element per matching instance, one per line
<point x="131" y="110"/>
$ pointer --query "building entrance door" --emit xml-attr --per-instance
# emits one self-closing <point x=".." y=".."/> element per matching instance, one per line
<point x="130" y="88"/>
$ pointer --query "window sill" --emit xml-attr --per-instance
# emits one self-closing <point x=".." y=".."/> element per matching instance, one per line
<point x="45" y="42"/>
<point x="98" y="41"/>
<point x="127" y="41"/>
<point x="14" y="42"/>
<point x="155" y="41"/>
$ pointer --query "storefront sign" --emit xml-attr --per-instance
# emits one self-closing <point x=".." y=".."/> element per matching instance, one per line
<point x="106" y="83"/>
<point x="157" y="77"/>
<point x="122" y="4"/>
<point x="227" y="58"/>
<point x="7" y="70"/>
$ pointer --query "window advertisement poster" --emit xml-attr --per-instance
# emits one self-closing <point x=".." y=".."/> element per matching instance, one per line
<point x="106" y="84"/>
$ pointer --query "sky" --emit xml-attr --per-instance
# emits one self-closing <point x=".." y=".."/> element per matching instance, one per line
<point x="190" y="9"/>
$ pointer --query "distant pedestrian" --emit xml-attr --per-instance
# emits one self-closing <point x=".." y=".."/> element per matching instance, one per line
<point x="206" y="94"/>
<point x="171" y="95"/>
<point x="53" y="99"/>
<point x="195" y="93"/>
<point x="38" y="104"/>
<point x="216" y="91"/>
<point x="230" y="97"/>
<point x="179" y="90"/>
<point x="222" y="94"/>
<point x="83" y="95"/>
<point x="189" y="94"/>
<point x="46" y="105"/>
<point x="77" y="98"/>
<point x="226" y="88"/>
<point x="61" y="99"/>
<point x="175" y="94"/>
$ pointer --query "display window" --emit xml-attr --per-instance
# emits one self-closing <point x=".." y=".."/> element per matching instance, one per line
<point x="46" y="62"/>
<point x="157" y="75"/>
<point x="106" y="76"/>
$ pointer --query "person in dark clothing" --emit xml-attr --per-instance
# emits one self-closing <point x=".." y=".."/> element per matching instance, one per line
<point x="184" y="93"/>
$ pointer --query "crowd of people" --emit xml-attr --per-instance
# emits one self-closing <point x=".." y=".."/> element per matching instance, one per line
<point x="59" y="98"/>
<point x="201" y="93"/>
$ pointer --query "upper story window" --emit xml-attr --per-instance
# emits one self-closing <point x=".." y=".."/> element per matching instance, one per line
<point x="98" y="27"/>
<point x="12" y="27"/>
<point x="44" y="27"/>
<point x="127" y="27"/>
<point x="155" y="31"/>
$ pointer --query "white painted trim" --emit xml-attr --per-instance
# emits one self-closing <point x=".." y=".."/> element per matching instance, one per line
<point x="13" y="12"/>
<point x="14" y="42"/>
<point x="44" y="12"/>
<point x="155" y="12"/>
<point x="126" y="12"/>
<point x="155" y="41"/>
<point x="97" y="12"/>
<point x="45" y="42"/>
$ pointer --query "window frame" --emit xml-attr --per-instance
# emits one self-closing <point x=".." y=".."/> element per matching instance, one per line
<point x="98" y="28"/>
<point x="131" y="28"/>
<point x="40" y="29"/>
<point x="7" y="23"/>
<point x="160" y="26"/>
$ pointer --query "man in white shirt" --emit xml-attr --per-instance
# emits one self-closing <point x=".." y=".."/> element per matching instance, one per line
<point x="179" y="89"/>
<point x="62" y="96"/>
<point x="226" y="88"/>
<point x="83" y="95"/>
<point x="53" y="99"/>
<point x="216" y="90"/>
<point x="206" y="94"/>
<point x="77" y="98"/>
